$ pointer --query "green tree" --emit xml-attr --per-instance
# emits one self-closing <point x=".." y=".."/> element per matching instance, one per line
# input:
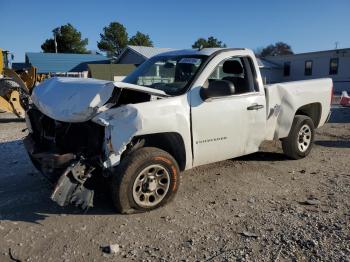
<point x="113" y="39"/>
<point x="68" y="40"/>
<point x="206" y="43"/>
<point x="279" y="48"/>
<point x="140" y="39"/>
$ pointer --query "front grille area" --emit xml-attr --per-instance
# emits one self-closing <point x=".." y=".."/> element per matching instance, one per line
<point x="84" y="138"/>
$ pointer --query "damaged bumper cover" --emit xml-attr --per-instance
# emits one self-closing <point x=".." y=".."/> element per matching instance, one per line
<point x="67" y="171"/>
<point x="46" y="161"/>
<point x="70" y="188"/>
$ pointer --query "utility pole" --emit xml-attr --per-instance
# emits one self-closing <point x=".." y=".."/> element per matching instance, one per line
<point x="55" y="32"/>
<point x="336" y="44"/>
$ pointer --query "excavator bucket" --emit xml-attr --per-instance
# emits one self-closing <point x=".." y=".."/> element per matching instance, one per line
<point x="16" y="105"/>
<point x="12" y="105"/>
<point x="5" y="106"/>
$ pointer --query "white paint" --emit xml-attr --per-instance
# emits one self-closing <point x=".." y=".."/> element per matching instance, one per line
<point x="289" y="97"/>
<point x="237" y="131"/>
<point x="78" y="100"/>
<point x="71" y="99"/>
<point x="158" y="116"/>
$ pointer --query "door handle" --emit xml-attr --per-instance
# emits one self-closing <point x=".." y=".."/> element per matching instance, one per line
<point x="255" y="107"/>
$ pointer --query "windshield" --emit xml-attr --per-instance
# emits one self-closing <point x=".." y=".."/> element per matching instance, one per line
<point x="171" y="74"/>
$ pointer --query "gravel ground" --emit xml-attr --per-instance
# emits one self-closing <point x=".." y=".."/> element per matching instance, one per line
<point x="261" y="207"/>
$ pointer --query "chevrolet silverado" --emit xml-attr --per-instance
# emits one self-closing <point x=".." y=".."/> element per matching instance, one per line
<point x="176" y="111"/>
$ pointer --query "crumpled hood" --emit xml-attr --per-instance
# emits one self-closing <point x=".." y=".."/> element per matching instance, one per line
<point x="72" y="99"/>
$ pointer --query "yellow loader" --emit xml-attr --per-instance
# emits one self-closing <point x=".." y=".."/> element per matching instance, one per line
<point x="15" y="86"/>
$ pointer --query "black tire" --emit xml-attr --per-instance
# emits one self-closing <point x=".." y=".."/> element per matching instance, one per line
<point x="290" y="144"/>
<point x="7" y="85"/>
<point x="129" y="170"/>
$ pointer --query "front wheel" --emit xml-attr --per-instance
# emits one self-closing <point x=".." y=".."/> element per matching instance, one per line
<point x="146" y="179"/>
<point x="299" y="142"/>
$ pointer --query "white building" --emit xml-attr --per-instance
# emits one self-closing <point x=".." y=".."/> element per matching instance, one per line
<point x="270" y="72"/>
<point x="330" y="63"/>
<point x="138" y="54"/>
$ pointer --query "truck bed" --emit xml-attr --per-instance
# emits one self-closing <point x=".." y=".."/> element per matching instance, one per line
<point x="285" y="99"/>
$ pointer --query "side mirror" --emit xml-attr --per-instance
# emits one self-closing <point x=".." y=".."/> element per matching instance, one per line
<point x="217" y="88"/>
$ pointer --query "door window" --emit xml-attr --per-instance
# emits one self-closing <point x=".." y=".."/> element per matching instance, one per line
<point x="238" y="71"/>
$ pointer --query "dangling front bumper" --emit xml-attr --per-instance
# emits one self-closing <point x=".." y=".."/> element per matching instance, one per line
<point x="67" y="172"/>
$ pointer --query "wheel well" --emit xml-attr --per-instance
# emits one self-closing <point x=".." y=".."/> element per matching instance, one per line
<point x="170" y="142"/>
<point x="313" y="111"/>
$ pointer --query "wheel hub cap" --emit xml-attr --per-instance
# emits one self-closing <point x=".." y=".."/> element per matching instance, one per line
<point x="304" y="138"/>
<point x="151" y="186"/>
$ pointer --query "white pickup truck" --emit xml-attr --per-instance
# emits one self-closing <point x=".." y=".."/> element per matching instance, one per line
<point x="176" y="111"/>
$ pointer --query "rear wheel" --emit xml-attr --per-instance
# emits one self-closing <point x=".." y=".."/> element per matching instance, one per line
<point x="146" y="179"/>
<point x="299" y="142"/>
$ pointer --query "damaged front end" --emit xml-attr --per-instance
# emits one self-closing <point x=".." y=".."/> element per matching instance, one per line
<point x="68" y="142"/>
<point x="68" y="154"/>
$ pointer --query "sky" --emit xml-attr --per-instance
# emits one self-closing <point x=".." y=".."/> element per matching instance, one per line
<point x="306" y="25"/>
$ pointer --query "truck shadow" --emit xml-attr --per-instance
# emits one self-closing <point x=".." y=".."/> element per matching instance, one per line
<point x="263" y="156"/>
<point x="340" y="115"/>
<point x="25" y="194"/>
<point x="35" y="211"/>
<point x="11" y="120"/>
<point x="336" y="143"/>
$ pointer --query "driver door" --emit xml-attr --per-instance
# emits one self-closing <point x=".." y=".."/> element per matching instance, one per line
<point x="223" y="127"/>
